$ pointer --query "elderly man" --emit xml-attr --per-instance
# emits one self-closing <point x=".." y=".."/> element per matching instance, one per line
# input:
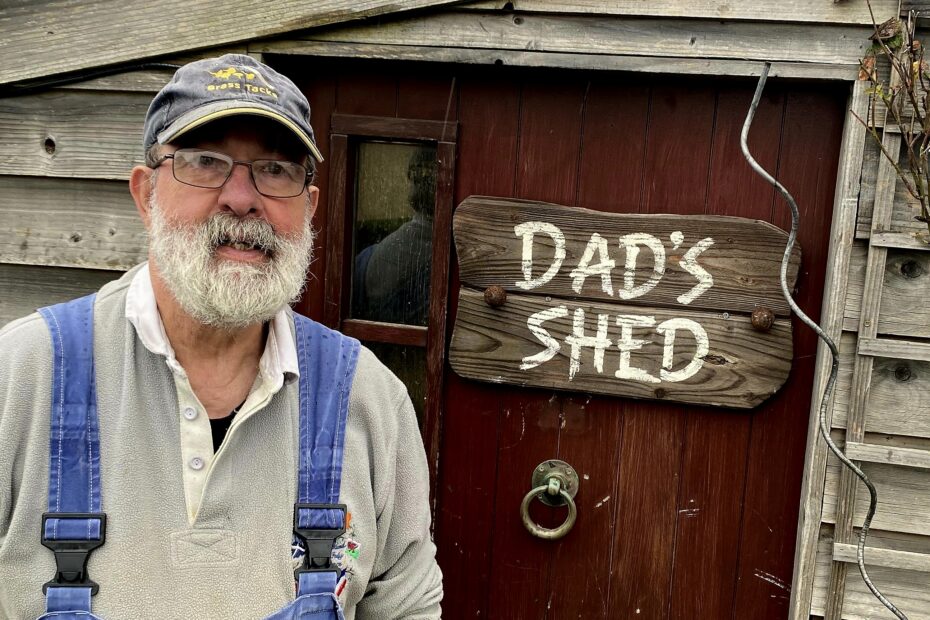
<point x="197" y="449"/>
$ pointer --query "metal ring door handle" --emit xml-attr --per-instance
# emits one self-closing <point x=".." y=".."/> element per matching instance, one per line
<point x="554" y="483"/>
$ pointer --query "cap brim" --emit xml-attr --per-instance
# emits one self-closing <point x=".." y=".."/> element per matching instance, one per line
<point x="221" y="109"/>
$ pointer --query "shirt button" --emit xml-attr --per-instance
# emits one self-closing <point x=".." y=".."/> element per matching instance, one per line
<point x="196" y="463"/>
<point x="190" y="413"/>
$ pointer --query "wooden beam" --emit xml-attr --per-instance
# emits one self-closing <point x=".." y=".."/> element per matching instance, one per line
<point x="906" y="288"/>
<point x="904" y="230"/>
<point x="889" y="455"/>
<point x="903" y="492"/>
<point x="590" y="62"/>
<point x="897" y="404"/>
<point x="907" y="588"/>
<point x="816" y="11"/>
<point x="59" y="36"/>
<point x="902" y="240"/>
<point x="898" y="349"/>
<point x="26" y="288"/>
<point x="862" y="373"/>
<point x="59" y="133"/>
<point x="616" y="36"/>
<point x="80" y="223"/>
<point x="888" y="558"/>
<point x="831" y="320"/>
<point x="381" y="127"/>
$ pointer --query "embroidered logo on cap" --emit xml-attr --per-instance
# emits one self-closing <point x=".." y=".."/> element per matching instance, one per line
<point x="234" y="79"/>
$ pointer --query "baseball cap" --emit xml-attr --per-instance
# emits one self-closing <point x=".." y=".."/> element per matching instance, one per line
<point x="213" y="88"/>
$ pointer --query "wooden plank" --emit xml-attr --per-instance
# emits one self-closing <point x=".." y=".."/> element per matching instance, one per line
<point x="903" y="493"/>
<point x="26" y="287"/>
<point x="862" y="372"/>
<point x="897" y="402"/>
<point x="320" y="89"/>
<point x="743" y="259"/>
<point x="61" y="36"/>
<point x="338" y="208"/>
<point x="431" y="96"/>
<point x="591" y="62"/>
<point x="911" y="233"/>
<point x="147" y="77"/>
<point x="905" y="289"/>
<point x="908" y="589"/>
<point x="916" y="240"/>
<point x="61" y="133"/>
<point x="779" y="433"/>
<point x="816" y="11"/>
<point x="613" y="129"/>
<point x="145" y="81"/>
<point x="381" y="127"/>
<point x="545" y="168"/>
<point x="438" y="311"/>
<point x="83" y="223"/>
<point x="651" y="449"/>
<point x="889" y="455"/>
<point x="465" y="521"/>
<point x="676" y="176"/>
<point x="855" y="281"/>
<point x="716" y="455"/>
<point x="831" y="320"/>
<point x="709" y="513"/>
<point x="883" y="557"/>
<point x="742" y="368"/>
<point x="679" y="38"/>
<point x="898" y="349"/>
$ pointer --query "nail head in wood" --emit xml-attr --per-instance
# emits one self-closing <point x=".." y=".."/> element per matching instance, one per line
<point x="763" y="319"/>
<point x="495" y="296"/>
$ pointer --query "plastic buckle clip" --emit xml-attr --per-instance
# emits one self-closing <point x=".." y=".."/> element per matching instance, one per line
<point x="318" y="542"/>
<point x="71" y="554"/>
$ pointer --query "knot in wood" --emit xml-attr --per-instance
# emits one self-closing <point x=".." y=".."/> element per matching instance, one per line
<point x="762" y="319"/>
<point x="495" y="296"/>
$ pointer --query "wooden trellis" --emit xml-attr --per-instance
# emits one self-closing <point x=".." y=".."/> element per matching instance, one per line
<point x="882" y="350"/>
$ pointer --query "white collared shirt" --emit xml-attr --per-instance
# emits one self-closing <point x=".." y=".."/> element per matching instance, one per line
<point x="277" y="366"/>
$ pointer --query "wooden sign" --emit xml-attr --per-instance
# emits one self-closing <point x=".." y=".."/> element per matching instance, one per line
<point x="646" y="306"/>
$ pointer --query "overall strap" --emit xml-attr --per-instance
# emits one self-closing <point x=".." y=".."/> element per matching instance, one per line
<point x="327" y="361"/>
<point x="74" y="525"/>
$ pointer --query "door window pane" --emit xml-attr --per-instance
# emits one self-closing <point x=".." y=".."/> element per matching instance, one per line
<point x="395" y="189"/>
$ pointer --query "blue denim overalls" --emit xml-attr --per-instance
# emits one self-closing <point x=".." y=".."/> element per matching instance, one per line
<point x="74" y="524"/>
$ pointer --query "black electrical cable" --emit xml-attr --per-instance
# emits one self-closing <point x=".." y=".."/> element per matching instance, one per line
<point x="831" y="381"/>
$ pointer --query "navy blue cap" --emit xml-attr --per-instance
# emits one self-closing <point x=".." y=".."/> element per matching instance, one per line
<point x="213" y="88"/>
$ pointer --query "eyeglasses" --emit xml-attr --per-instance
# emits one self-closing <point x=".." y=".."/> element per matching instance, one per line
<point x="271" y="177"/>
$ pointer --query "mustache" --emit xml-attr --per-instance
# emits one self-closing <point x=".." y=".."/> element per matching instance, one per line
<point x="225" y="229"/>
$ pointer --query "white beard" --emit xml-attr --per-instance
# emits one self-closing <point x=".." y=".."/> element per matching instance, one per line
<point x="222" y="293"/>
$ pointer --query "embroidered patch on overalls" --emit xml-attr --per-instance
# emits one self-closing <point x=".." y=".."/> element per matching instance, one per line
<point x="346" y="552"/>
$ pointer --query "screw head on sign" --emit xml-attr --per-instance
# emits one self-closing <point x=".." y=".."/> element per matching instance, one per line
<point x="762" y="319"/>
<point x="495" y="296"/>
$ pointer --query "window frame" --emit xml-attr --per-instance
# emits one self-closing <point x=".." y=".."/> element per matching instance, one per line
<point x="346" y="131"/>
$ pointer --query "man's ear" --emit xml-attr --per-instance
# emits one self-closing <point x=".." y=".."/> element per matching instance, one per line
<point x="313" y="197"/>
<point x="140" y="186"/>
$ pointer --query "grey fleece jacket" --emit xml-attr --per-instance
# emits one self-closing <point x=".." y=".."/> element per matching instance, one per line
<point x="234" y="560"/>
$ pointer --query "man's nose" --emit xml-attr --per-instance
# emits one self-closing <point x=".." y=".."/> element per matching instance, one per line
<point x="239" y="193"/>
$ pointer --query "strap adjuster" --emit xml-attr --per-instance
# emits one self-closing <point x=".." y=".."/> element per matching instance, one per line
<point x="318" y="541"/>
<point x="71" y="554"/>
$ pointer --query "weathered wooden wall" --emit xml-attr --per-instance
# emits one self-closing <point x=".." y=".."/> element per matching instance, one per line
<point x="67" y="221"/>
<point x="880" y="411"/>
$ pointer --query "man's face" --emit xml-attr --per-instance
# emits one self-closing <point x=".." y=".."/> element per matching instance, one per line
<point x="231" y="256"/>
<point x="244" y="138"/>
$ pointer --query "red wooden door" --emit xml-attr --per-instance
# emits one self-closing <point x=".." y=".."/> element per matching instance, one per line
<point x="683" y="511"/>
